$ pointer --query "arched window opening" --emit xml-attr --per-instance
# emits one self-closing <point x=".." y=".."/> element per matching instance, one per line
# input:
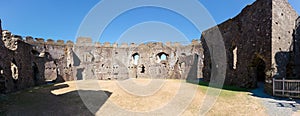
<point x="162" y="57"/>
<point x="234" y="57"/>
<point x="14" y="70"/>
<point x="135" y="57"/>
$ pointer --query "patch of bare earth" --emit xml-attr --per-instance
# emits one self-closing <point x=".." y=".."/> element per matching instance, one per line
<point x="129" y="97"/>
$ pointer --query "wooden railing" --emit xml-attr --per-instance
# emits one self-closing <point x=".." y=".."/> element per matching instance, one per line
<point x="286" y="88"/>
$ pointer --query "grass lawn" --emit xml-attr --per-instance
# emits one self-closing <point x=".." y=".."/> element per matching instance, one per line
<point x="134" y="96"/>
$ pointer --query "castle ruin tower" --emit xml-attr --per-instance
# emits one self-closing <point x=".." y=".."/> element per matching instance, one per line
<point x="258" y="44"/>
<point x="297" y="48"/>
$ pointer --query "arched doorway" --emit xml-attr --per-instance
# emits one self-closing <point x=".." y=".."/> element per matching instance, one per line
<point x="260" y="71"/>
<point x="35" y="73"/>
<point x="259" y="67"/>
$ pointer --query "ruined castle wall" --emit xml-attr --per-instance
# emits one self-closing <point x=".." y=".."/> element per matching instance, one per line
<point x="3" y="65"/>
<point x="34" y="61"/>
<point x="297" y="48"/>
<point x="19" y="68"/>
<point x="112" y="61"/>
<point x="230" y="33"/>
<point x="262" y="32"/>
<point x="58" y="58"/>
<point x="283" y="24"/>
<point x="255" y="43"/>
<point x="249" y="34"/>
<point x="60" y="61"/>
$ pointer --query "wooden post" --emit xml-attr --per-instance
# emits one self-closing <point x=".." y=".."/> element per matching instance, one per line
<point x="283" y="86"/>
<point x="273" y="86"/>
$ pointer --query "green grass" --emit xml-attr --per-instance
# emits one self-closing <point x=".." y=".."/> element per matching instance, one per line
<point x="225" y="87"/>
<point x="226" y="91"/>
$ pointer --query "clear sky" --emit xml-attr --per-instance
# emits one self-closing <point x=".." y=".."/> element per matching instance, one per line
<point x="61" y="19"/>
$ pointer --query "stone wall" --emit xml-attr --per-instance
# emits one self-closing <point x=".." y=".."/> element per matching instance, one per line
<point x="257" y="44"/>
<point x="283" y="25"/>
<point x="19" y="68"/>
<point x="34" y="61"/>
<point x="249" y="34"/>
<point x="297" y="48"/>
<point x="111" y="61"/>
<point x="261" y="43"/>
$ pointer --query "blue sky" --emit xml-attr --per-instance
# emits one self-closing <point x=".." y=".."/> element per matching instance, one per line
<point x="61" y="19"/>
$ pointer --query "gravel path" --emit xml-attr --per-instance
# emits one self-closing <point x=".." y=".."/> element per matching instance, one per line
<point x="276" y="106"/>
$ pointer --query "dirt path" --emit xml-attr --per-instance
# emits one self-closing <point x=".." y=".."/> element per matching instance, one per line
<point x="277" y="106"/>
<point x="129" y="97"/>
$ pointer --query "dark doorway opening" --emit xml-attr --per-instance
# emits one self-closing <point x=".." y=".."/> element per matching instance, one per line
<point x="260" y="71"/>
<point x="79" y="74"/>
<point x="35" y="73"/>
<point x="143" y="69"/>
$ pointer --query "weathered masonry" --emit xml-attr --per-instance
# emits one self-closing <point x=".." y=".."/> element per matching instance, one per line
<point x="261" y="43"/>
<point x="33" y="61"/>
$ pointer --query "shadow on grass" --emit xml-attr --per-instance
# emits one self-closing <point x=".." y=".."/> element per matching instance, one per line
<point x="40" y="101"/>
<point x="225" y="87"/>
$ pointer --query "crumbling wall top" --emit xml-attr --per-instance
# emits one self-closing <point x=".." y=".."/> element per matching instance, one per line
<point x="123" y="45"/>
<point x="86" y="41"/>
<point x="70" y="43"/>
<point x="50" y="41"/>
<point x="81" y="40"/>
<point x="60" y="42"/>
<point x="40" y="40"/>
<point x="107" y="44"/>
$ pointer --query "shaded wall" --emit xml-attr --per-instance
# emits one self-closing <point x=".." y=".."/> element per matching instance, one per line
<point x="261" y="32"/>
<point x="249" y="34"/>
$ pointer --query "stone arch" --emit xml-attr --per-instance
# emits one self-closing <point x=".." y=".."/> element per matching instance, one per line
<point x="14" y="70"/>
<point x="162" y="56"/>
<point x="36" y="72"/>
<point x="258" y="70"/>
<point x="2" y="81"/>
<point x="135" y="58"/>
